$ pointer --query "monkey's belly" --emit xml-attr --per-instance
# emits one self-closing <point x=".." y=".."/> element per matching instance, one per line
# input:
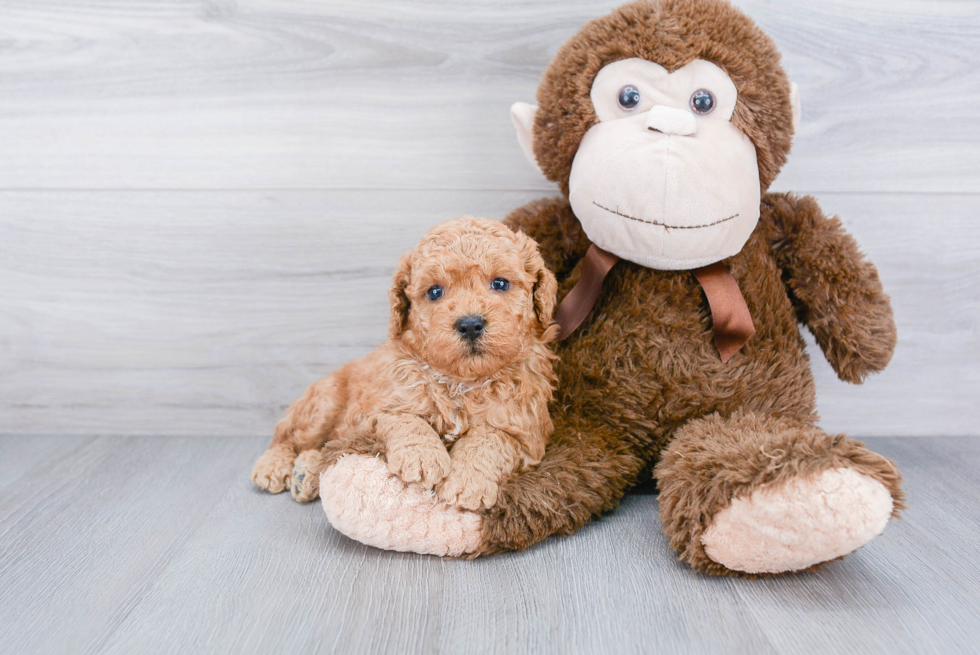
<point x="648" y="351"/>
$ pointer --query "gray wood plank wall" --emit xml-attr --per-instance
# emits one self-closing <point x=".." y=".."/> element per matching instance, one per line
<point x="201" y="203"/>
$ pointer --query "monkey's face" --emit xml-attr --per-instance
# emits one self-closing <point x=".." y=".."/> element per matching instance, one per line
<point x="664" y="179"/>
<point x="663" y="122"/>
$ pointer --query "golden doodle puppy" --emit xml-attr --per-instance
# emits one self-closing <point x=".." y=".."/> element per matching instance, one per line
<point x="457" y="399"/>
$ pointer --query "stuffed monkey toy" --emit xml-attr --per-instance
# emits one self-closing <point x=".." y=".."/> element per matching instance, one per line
<point x="682" y="284"/>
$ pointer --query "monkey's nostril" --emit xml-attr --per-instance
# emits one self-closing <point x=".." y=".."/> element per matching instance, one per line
<point x="471" y="327"/>
<point x="671" y="121"/>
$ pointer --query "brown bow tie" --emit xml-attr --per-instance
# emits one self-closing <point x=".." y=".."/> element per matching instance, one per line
<point x="731" y="321"/>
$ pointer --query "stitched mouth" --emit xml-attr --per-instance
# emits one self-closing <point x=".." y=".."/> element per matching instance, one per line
<point x="664" y="225"/>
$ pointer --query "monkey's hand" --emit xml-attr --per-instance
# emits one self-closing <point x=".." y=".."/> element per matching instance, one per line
<point x="835" y="289"/>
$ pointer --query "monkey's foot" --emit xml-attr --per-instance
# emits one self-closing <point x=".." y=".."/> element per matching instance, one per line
<point x="364" y="501"/>
<point x="758" y="494"/>
<point x="800" y="523"/>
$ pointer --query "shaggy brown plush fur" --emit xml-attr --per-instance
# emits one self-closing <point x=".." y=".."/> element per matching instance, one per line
<point x="448" y="412"/>
<point x="641" y="379"/>
<point x="643" y="366"/>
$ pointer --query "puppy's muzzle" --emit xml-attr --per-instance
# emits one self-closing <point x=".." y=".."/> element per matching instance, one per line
<point x="471" y="327"/>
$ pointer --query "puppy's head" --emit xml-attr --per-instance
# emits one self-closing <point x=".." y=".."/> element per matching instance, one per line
<point x="472" y="297"/>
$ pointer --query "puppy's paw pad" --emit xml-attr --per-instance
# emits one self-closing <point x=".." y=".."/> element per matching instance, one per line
<point x="306" y="477"/>
<point x="470" y="491"/>
<point x="426" y="465"/>
<point x="273" y="470"/>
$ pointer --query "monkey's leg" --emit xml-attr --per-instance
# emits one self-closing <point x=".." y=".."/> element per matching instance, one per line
<point x="755" y="494"/>
<point x="305" y="427"/>
<point x="586" y="470"/>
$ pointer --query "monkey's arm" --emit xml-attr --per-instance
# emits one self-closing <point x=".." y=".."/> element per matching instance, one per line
<point x="585" y="472"/>
<point x="553" y="225"/>
<point x="835" y="289"/>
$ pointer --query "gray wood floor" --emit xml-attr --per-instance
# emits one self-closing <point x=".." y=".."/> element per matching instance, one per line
<point x="161" y="545"/>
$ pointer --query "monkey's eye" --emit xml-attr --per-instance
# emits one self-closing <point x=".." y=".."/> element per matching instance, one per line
<point x="703" y="102"/>
<point x="435" y="293"/>
<point x="629" y="97"/>
<point x="500" y="284"/>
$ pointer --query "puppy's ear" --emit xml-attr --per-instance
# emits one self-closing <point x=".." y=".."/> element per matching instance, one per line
<point x="545" y="284"/>
<point x="400" y="304"/>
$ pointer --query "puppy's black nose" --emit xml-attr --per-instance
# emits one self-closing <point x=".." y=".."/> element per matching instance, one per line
<point x="471" y="327"/>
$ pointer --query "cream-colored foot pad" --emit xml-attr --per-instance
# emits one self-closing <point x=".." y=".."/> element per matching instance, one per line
<point x="364" y="501"/>
<point x="799" y="524"/>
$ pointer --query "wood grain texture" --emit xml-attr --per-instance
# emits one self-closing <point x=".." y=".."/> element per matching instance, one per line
<point x="163" y="546"/>
<point x="209" y="312"/>
<point x="395" y="95"/>
<point x="91" y="530"/>
<point x="19" y="455"/>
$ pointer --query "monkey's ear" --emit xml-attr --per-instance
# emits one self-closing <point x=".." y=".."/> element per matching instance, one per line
<point x="400" y="304"/>
<point x="794" y="98"/>
<point x="522" y="114"/>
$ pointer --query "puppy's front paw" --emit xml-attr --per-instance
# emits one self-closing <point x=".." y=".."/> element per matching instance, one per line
<point x="468" y="489"/>
<point x="306" y="476"/>
<point x="272" y="471"/>
<point x="426" y="464"/>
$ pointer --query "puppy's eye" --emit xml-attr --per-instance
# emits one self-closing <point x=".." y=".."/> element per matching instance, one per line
<point x="629" y="97"/>
<point x="500" y="284"/>
<point x="703" y="102"/>
<point x="435" y="293"/>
